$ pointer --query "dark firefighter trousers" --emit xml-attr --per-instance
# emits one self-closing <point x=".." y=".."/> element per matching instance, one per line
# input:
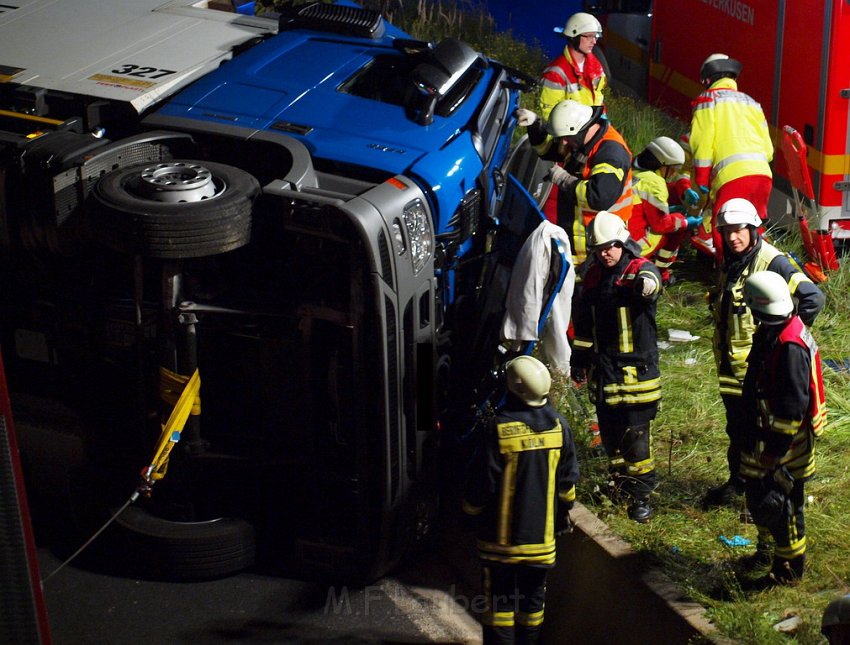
<point x="788" y="528"/>
<point x="629" y="456"/>
<point x="515" y="595"/>
<point x="735" y="430"/>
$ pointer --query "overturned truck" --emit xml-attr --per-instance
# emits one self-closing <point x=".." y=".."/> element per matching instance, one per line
<point x="311" y="211"/>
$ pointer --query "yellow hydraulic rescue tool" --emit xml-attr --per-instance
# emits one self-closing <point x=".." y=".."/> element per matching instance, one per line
<point x="186" y="403"/>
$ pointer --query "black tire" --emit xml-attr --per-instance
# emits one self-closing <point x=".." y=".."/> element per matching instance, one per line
<point x="128" y="220"/>
<point x="161" y="549"/>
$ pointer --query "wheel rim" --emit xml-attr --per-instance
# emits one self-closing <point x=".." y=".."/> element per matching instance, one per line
<point x="176" y="182"/>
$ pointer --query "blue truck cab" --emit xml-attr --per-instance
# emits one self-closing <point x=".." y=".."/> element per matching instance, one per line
<point x="314" y="225"/>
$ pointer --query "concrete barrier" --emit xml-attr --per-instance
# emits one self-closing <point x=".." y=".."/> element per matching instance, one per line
<point x="601" y="591"/>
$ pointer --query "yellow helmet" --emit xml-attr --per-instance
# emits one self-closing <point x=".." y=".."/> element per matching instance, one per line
<point x="528" y="379"/>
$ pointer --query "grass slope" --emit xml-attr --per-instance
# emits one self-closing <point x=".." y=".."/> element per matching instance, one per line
<point x="689" y="447"/>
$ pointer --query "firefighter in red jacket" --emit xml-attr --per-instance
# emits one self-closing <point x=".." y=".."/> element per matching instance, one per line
<point x="785" y="409"/>
<point x="592" y="170"/>
<point x="731" y="144"/>
<point x="616" y="342"/>
<point x="658" y="228"/>
<point x="577" y="73"/>
<point x="745" y="253"/>
<point x="520" y="489"/>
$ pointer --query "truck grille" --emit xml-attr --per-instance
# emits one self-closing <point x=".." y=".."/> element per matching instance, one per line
<point x="336" y="18"/>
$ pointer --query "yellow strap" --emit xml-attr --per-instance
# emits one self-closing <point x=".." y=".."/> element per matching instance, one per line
<point x="171" y="386"/>
<point x="173" y="427"/>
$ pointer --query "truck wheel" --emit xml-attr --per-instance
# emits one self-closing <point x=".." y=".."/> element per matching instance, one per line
<point x="161" y="549"/>
<point x="174" y="209"/>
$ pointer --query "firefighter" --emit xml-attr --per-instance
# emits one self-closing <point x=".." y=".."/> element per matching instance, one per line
<point x="577" y="73"/>
<point x="592" y="170"/>
<point x="785" y="410"/>
<point x="520" y="490"/>
<point x="745" y="252"/>
<point x="615" y="341"/>
<point x="835" y="623"/>
<point x="658" y="228"/>
<point x="731" y="144"/>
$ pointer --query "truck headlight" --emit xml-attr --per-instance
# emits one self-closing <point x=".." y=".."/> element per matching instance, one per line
<point x="398" y="238"/>
<point x="419" y="233"/>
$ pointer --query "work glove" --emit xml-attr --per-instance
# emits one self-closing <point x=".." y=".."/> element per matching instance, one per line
<point x="644" y="287"/>
<point x="560" y="177"/>
<point x="678" y="208"/>
<point x="691" y="197"/>
<point x="693" y="221"/>
<point x="525" y="117"/>
<point x="704" y="189"/>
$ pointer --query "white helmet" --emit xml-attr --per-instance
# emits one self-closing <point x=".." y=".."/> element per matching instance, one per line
<point x="719" y="64"/>
<point x="667" y="151"/>
<point x="661" y="151"/>
<point x="580" y="23"/>
<point x="605" y="228"/>
<point x="685" y="142"/>
<point x="738" y="211"/>
<point x="767" y="295"/>
<point x="529" y="379"/>
<point x="568" y="118"/>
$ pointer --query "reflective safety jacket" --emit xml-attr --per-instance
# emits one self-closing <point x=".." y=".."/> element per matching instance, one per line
<point x="729" y="136"/>
<point x="615" y="332"/>
<point x="523" y="476"/>
<point x="733" y="322"/>
<point x="563" y="80"/>
<point x="605" y="185"/>
<point x="784" y="394"/>
<point x="650" y="196"/>
<point x="605" y="179"/>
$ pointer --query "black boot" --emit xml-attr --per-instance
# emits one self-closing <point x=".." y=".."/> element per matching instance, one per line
<point x="788" y="572"/>
<point x="758" y="560"/>
<point x="782" y="572"/>
<point x="726" y="494"/>
<point x="640" y="511"/>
